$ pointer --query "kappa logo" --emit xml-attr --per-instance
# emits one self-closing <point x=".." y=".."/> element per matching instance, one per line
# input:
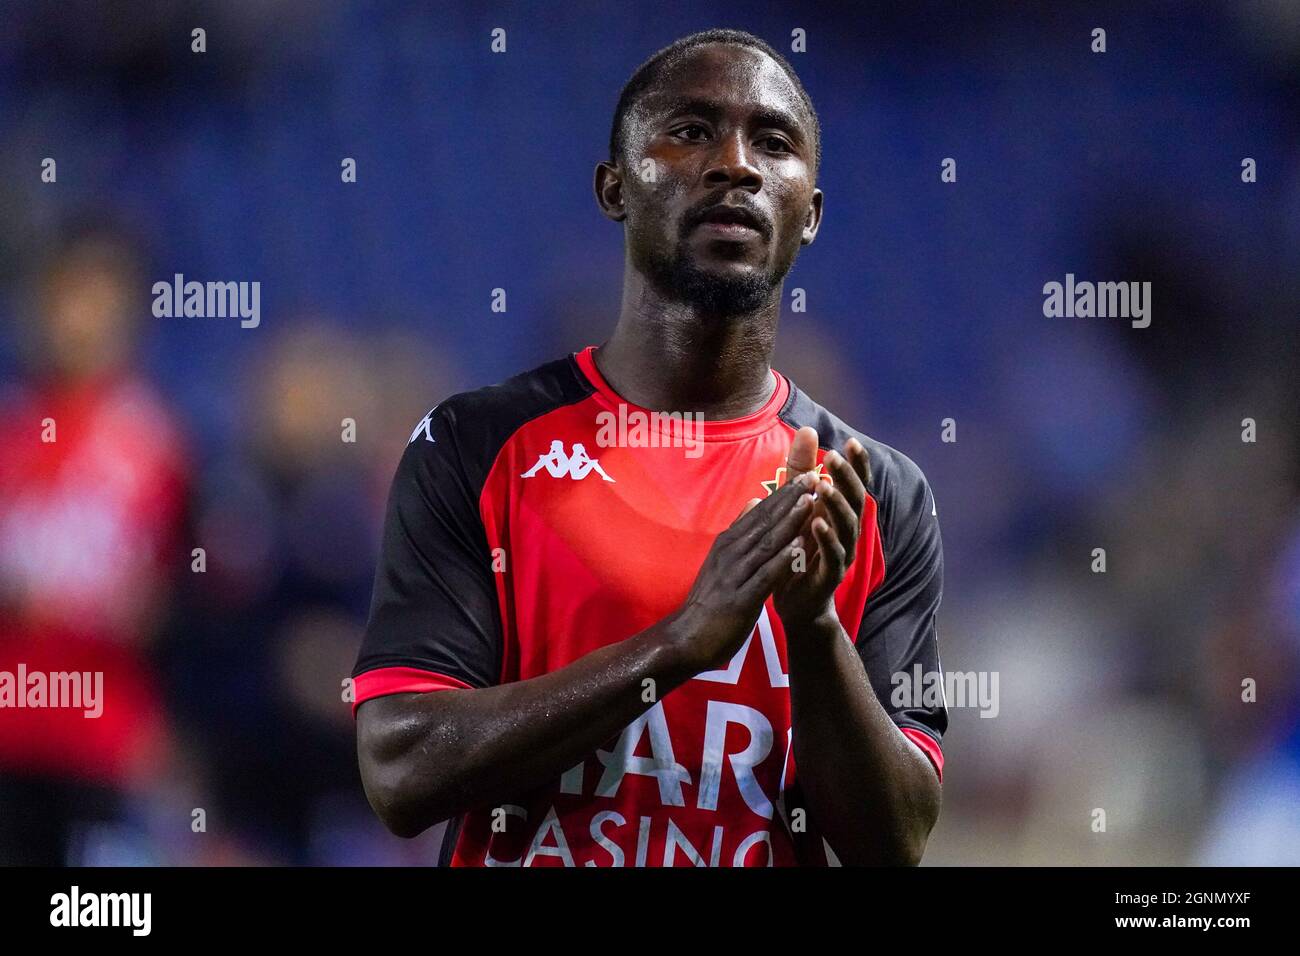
<point x="423" y="428"/>
<point x="558" y="464"/>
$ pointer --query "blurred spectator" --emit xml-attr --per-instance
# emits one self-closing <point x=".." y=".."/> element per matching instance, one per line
<point x="92" y="478"/>
<point x="1257" y="821"/>
<point x="289" y="516"/>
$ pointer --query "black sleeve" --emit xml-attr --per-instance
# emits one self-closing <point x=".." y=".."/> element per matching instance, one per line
<point x="898" y="630"/>
<point x="434" y="607"/>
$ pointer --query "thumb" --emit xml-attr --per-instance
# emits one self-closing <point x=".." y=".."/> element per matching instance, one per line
<point x="803" y="453"/>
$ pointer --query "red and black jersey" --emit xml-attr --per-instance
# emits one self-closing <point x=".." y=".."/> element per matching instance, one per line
<point x="519" y="538"/>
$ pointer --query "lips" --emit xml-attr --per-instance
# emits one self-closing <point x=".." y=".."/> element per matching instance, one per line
<point x="728" y="230"/>
<point x="730" y="222"/>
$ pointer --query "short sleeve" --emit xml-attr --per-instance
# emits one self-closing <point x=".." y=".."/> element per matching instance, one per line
<point x="898" y="638"/>
<point x="434" y="623"/>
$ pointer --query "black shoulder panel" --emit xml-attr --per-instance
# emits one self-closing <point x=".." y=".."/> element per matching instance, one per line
<point x="434" y="605"/>
<point x="481" y="421"/>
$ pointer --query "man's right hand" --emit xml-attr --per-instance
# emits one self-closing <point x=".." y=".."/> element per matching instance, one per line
<point x="745" y="563"/>
<point x="427" y="757"/>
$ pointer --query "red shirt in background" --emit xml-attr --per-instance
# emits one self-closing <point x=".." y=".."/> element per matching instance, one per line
<point x="89" y="528"/>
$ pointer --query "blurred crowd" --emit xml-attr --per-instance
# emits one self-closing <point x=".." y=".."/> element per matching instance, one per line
<point x="219" y="590"/>
<point x="203" y="526"/>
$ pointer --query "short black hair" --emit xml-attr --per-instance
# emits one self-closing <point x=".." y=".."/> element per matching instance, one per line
<point x="649" y="72"/>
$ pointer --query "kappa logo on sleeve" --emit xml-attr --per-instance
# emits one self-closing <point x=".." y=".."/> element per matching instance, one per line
<point x="558" y="464"/>
<point x="423" y="428"/>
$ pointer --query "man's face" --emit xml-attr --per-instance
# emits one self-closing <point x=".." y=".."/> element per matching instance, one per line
<point x="87" y="323"/>
<point x="728" y="139"/>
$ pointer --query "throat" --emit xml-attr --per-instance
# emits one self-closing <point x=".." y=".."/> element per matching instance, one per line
<point x="673" y="377"/>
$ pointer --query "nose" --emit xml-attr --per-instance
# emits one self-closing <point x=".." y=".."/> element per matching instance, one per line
<point x="730" y="165"/>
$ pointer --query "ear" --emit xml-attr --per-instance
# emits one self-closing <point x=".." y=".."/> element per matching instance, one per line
<point x="609" y="190"/>
<point x="813" y="222"/>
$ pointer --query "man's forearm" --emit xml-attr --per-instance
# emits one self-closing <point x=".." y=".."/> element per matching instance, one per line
<point x="428" y="757"/>
<point x="873" y="795"/>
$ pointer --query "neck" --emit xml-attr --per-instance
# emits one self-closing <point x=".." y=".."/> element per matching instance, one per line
<point x="668" y="356"/>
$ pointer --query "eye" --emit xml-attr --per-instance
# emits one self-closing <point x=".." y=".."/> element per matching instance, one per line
<point x="684" y="131"/>
<point x="776" y="144"/>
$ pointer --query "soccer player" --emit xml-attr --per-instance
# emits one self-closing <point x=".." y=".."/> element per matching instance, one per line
<point x="678" y="647"/>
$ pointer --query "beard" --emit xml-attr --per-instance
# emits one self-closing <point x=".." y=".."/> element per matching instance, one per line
<point x="677" y="276"/>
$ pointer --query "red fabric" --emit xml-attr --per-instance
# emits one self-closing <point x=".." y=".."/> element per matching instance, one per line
<point x="720" y="743"/>
<point x="928" y="746"/>
<point x="123" y="744"/>
<point x="400" y="680"/>
<point x="89" y="535"/>
<point x="752" y="424"/>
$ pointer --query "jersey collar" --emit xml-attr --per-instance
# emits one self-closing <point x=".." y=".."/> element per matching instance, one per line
<point x="729" y="429"/>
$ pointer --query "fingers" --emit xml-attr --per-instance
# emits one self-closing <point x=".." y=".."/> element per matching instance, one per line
<point x="831" y="548"/>
<point x="764" y="526"/>
<point x="859" y="459"/>
<point x="761" y="539"/>
<point x="769" y="574"/>
<point x="803" y="453"/>
<point x="776" y="536"/>
<point x="843" y="517"/>
<point x="849" y="473"/>
<point x="758" y="514"/>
